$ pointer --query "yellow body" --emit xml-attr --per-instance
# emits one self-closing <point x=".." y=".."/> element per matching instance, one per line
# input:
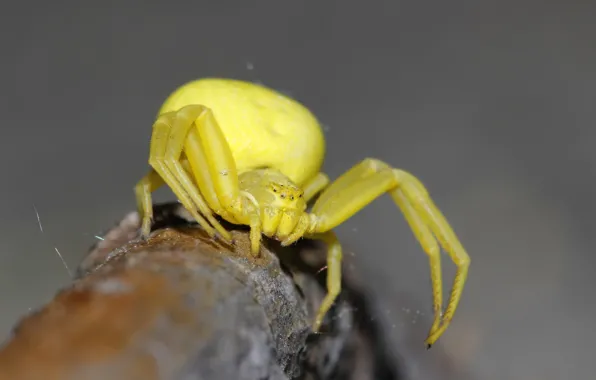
<point x="252" y="156"/>
<point x="263" y="128"/>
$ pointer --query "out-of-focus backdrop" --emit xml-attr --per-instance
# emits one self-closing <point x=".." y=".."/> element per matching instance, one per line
<point x="490" y="103"/>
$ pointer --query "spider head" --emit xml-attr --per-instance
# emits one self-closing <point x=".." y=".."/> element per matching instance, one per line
<point x="284" y="206"/>
<point x="287" y="196"/>
<point x="281" y="201"/>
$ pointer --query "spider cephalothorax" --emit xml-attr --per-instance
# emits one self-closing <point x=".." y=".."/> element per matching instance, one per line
<point x="253" y="157"/>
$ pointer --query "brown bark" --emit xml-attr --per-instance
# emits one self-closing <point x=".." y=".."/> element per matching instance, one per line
<point x="183" y="306"/>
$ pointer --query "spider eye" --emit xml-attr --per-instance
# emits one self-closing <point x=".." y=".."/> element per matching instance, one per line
<point x="274" y="190"/>
<point x="283" y="195"/>
<point x="292" y="197"/>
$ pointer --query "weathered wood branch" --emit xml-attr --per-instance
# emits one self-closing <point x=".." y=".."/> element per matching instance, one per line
<point x="182" y="306"/>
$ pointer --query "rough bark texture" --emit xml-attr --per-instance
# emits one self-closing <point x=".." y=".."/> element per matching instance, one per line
<point x="182" y="306"/>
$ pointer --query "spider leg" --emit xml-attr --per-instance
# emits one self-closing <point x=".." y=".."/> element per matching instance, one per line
<point x="368" y="180"/>
<point x="157" y="155"/>
<point x="255" y="232"/>
<point x="143" y="189"/>
<point x="311" y="188"/>
<point x="355" y="173"/>
<point x="183" y="123"/>
<point x="334" y="257"/>
<point x="214" y="170"/>
<point x="314" y="186"/>
<point x="431" y="248"/>
<point x="428" y="212"/>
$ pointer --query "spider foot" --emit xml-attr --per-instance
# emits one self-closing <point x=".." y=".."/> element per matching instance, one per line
<point x="146" y="227"/>
<point x="435" y="334"/>
<point x="317" y="325"/>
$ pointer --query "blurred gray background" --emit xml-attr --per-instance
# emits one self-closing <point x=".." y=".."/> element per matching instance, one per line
<point x="490" y="103"/>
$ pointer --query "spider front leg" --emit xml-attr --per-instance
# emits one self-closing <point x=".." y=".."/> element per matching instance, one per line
<point x="214" y="170"/>
<point x="167" y="139"/>
<point x="367" y="181"/>
<point x="314" y="186"/>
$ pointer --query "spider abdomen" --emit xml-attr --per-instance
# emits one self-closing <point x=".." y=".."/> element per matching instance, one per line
<point x="263" y="128"/>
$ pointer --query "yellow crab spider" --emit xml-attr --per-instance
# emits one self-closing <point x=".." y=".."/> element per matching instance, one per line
<point x="253" y="157"/>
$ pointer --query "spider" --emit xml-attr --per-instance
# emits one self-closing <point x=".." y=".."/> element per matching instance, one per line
<point x="253" y="157"/>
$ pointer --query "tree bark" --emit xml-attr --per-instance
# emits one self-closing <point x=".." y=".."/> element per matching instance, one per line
<point x="180" y="305"/>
